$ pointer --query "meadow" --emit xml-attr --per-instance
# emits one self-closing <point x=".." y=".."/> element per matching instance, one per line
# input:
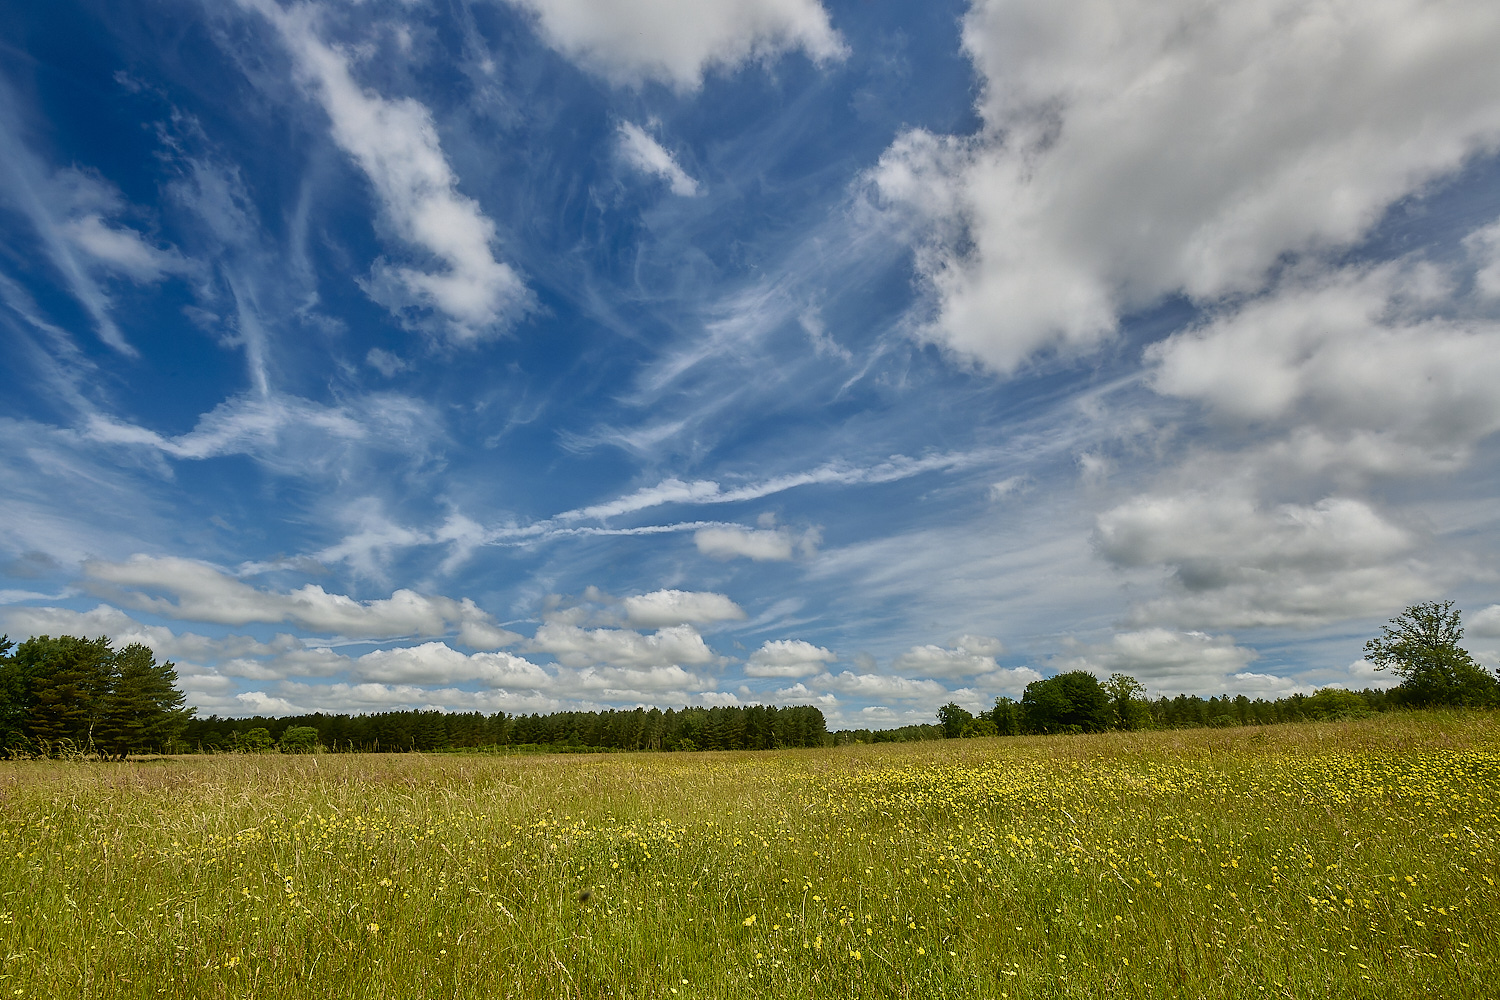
<point x="1351" y="859"/>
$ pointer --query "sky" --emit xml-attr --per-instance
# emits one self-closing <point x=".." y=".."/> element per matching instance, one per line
<point x="528" y="355"/>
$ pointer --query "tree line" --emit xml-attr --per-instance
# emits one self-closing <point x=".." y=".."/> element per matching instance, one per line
<point x="1420" y="646"/>
<point x="69" y="695"/>
<point x="753" y="727"/>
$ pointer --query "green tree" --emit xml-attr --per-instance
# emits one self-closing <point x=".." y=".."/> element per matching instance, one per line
<point x="1125" y="697"/>
<point x="60" y="685"/>
<point x="142" y="709"/>
<point x="953" y="719"/>
<point x="1420" y="646"/>
<point x="299" y="739"/>
<point x="1335" y="703"/>
<point x="1006" y="715"/>
<point x="1074" y="702"/>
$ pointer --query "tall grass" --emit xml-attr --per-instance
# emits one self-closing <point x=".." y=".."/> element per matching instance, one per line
<point x="1351" y="860"/>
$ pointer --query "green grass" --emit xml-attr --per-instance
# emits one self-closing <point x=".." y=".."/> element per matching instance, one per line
<point x="1343" y="860"/>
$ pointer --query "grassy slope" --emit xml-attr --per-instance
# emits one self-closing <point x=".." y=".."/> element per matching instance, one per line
<point x="1352" y="859"/>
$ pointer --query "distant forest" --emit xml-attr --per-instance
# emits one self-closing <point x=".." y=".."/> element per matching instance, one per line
<point x="756" y="727"/>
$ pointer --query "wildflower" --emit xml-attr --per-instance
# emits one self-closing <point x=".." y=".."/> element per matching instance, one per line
<point x="749" y="921"/>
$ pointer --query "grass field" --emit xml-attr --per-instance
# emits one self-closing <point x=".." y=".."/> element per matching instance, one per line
<point x="1342" y="859"/>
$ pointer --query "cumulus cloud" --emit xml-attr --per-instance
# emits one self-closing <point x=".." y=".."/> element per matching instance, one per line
<point x="200" y="592"/>
<point x="1137" y="150"/>
<point x="971" y="655"/>
<point x="1236" y="563"/>
<point x="396" y="145"/>
<point x="575" y="646"/>
<point x="788" y="658"/>
<point x="1343" y="359"/>
<point x="680" y="607"/>
<point x="1175" y="662"/>
<point x="881" y="687"/>
<point x="676" y="41"/>
<point x="761" y="545"/>
<point x="643" y="684"/>
<point x="437" y="663"/>
<point x="645" y="154"/>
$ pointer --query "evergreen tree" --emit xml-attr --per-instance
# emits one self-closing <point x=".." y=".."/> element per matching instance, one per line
<point x="143" y="708"/>
<point x="56" y="692"/>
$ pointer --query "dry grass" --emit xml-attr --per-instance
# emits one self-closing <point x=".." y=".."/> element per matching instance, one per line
<point x="1352" y="859"/>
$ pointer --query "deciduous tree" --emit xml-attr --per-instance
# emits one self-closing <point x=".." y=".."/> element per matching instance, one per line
<point x="1420" y="646"/>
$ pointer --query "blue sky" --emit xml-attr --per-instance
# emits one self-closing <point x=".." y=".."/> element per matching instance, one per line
<point x="530" y="354"/>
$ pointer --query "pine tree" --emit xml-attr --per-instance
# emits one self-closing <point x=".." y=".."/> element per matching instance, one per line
<point x="143" y="708"/>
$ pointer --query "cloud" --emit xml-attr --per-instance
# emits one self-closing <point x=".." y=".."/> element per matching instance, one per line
<point x="1484" y="247"/>
<point x="206" y="594"/>
<point x="437" y="663"/>
<point x="105" y="621"/>
<point x="1347" y="359"/>
<point x="788" y="658"/>
<point x="1235" y="563"/>
<point x="579" y="647"/>
<point x="881" y="687"/>
<point x="647" y="155"/>
<point x="1486" y="622"/>
<point x="676" y="41"/>
<point x="1175" y="662"/>
<point x="396" y="145"/>
<point x="972" y="655"/>
<point x="1138" y="150"/>
<point x="386" y="363"/>
<point x="777" y="544"/>
<point x="640" y="684"/>
<point x="122" y="249"/>
<point x="680" y="607"/>
<point x="47" y="200"/>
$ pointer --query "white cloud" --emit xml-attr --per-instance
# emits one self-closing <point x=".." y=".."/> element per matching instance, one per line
<point x="260" y="703"/>
<point x="386" y="363"/>
<point x="881" y="687"/>
<point x="676" y="41"/>
<point x="801" y="694"/>
<point x="579" y="647"/>
<point x="1136" y="150"/>
<point x="436" y="663"/>
<point x="647" y="155"/>
<point x="1172" y="663"/>
<point x="972" y="655"/>
<point x="764" y="545"/>
<point x="1486" y="622"/>
<point x="206" y="594"/>
<point x="680" y="607"/>
<point x="640" y="684"/>
<point x="396" y="145"/>
<point x="105" y="621"/>
<point x="1237" y="563"/>
<point x="1343" y="358"/>
<point x="788" y="658"/>
<point x="121" y="249"/>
